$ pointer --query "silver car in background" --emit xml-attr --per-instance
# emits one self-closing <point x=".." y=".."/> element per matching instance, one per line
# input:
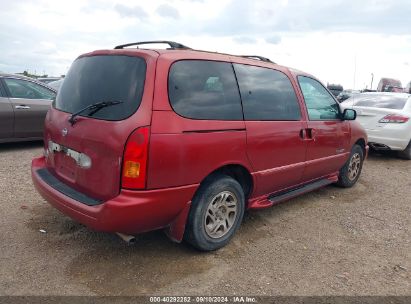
<point x="24" y="103"/>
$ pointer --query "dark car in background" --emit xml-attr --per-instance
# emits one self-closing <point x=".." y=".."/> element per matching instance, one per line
<point x="389" y="85"/>
<point x="335" y="89"/>
<point x="24" y="103"/>
<point x="344" y="95"/>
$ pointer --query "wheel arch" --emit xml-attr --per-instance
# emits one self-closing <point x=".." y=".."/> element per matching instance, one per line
<point x="361" y="142"/>
<point x="238" y="172"/>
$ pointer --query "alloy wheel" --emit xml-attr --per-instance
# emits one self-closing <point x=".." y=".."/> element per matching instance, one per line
<point x="221" y="214"/>
<point x="354" y="166"/>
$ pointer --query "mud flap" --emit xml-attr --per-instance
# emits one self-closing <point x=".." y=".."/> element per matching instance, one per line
<point x="176" y="230"/>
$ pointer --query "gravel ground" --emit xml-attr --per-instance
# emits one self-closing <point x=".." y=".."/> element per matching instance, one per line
<point x="329" y="242"/>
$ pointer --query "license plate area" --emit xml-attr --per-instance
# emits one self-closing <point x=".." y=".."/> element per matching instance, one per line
<point x="67" y="161"/>
<point x="66" y="166"/>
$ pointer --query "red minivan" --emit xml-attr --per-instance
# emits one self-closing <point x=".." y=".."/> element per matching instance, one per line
<point x="186" y="141"/>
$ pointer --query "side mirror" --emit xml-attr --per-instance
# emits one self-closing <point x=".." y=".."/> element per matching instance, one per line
<point x="349" y="114"/>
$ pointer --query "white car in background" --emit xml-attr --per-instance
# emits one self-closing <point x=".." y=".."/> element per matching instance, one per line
<point x="387" y="119"/>
<point x="56" y="84"/>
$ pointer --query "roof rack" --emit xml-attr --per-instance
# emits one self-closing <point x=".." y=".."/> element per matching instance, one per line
<point x="257" y="57"/>
<point x="173" y="45"/>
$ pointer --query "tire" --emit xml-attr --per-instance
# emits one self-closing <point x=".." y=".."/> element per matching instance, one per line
<point x="406" y="154"/>
<point x="351" y="170"/>
<point x="216" y="213"/>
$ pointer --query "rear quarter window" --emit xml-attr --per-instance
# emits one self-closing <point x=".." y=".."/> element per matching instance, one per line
<point x="103" y="78"/>
<point x="200" y="89"/>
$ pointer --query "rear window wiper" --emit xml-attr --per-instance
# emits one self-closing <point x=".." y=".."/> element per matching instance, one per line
<point x="95" y="107"/>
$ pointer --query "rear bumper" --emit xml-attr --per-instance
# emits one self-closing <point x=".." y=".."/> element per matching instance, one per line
<point x="130" y="212"/>
<point x="395" y="137"/>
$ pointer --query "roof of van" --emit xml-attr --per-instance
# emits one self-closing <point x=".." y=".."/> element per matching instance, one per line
<point x="242" y="58"/>
<point x="178" y="49"/>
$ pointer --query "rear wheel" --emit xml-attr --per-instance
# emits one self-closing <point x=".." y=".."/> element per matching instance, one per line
<point x="406" y="154"/>
<point x="351" y="171"/>
<point x="216" y="213"/>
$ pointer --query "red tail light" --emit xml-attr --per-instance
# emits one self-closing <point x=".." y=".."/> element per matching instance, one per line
<point x="394" y="118"/>
<point x="135" y="160"/>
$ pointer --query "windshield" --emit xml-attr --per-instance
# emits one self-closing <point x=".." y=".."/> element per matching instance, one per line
<point x="103" y="78"/>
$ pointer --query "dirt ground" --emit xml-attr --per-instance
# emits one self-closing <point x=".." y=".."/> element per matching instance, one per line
<point x="329" y="242"/>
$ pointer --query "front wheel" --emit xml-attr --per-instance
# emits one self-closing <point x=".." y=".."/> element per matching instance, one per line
<point x="351" y="170"/>
<point x="216" y="213"/>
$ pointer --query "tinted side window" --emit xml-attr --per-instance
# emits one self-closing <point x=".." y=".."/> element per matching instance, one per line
<point x="266" y="94"/>
<point x="202" y="89"/>
<point x="320" y="104"/>
<point x="19" y="88"/>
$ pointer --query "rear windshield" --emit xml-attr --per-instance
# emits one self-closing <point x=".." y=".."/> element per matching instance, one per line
<point x="103" y="78"/>
<point x="383" y="102"/>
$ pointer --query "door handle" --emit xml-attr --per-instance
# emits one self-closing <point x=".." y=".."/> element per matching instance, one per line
<point x="307" y="134"/>
<point x="302" y="133"/>
<point x="311" y="134"/>
<point x="22" y="107"/>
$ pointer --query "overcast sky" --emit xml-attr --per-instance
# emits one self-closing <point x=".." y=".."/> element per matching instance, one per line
<point x="337" y="41"/>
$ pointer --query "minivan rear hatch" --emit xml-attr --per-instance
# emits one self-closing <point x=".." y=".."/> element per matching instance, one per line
<point x="85" y="150"/>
